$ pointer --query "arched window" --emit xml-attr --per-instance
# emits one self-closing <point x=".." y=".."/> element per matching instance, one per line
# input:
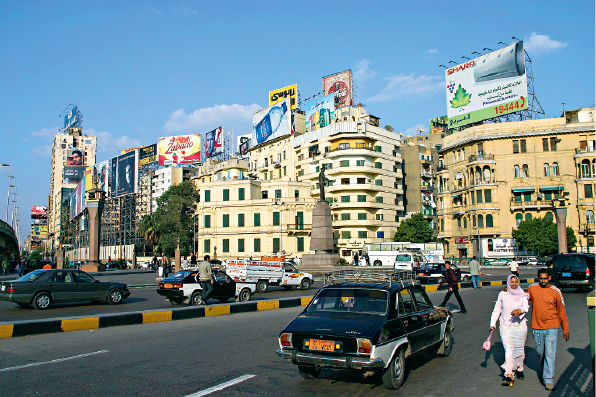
<point x="458" y="223"/>
<point x="585" y="171"/>
<point x="525" y="172"/>
<point x="590" y="217"/>
<point x="480" y="221"/>
<point x="465" y="223"/>
<point x="528" y="217"/>
<point x="473" y="220"/>
<point x="478" y="180"/>
<point x="486" y="175"/>
<point x="516" y="171"/>
<point x="518" y="219"/>
<point x="489" y="220"/>
<point x="555" y="169"/>
<point x="546" y="169"/>
<point x="548" y="215"/>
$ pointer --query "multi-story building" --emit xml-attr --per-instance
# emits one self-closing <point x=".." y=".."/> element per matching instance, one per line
<point x="163" y="178"/>
<point x="493" y="176"/>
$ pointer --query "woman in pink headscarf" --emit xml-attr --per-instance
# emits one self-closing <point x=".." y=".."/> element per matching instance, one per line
<point x="510" y="309"/>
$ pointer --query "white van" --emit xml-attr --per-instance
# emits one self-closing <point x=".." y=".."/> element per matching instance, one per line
<point x="408" y="260"/>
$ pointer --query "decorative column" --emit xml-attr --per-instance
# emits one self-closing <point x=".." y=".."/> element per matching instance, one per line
<point x="95" y="203"/>
<point x="561" y="216"/>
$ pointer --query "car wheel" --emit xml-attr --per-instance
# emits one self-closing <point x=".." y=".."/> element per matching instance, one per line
<point x="24" y="304"/>
<point x="447" y="344"/>
<point x="305" y="284"/>
<point x="393" y="377"/>
<point x="176" y="301"/>
<point x="262" y="286"/>
<point x="244" y="295"/>
<point x="42" y="301"/>
<point x="196" y="299"/>
<point x="115" y="296"/>
<point x="308" y="372"/>
<point x="466" y="279"/>
<point x="377" y="263"/>
<point x="439" y="280"/>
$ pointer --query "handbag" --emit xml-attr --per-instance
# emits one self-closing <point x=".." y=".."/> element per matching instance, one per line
<point x="486" y="344"/>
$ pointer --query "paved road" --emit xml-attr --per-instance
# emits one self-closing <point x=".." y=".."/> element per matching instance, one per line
<point x="185" y="357"/>
<point x="148" y="299"/>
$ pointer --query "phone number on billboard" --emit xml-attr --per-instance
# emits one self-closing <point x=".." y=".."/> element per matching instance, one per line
<point x="509" y="107"/>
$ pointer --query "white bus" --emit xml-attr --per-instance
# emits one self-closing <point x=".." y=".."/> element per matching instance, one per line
<point x="386" y="254"/>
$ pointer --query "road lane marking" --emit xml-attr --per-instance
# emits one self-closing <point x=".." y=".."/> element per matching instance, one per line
<point x="221" y="386"/>
<point x="58" y="360"/>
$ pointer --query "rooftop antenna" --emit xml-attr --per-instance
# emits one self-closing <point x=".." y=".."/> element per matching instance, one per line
<point x="443" y="66"/>
<point x="466" y="58"/>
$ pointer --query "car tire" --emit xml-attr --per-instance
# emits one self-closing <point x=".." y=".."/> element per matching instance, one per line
<point x="466" y="279"/>
<point x="377" y="263"/>
<point x="439" y="280"/>
<point x="42" y="301"/>
<point x="176" y="301"/>
<point x="447" y="343"/>
<point x="244" y="295"/>
<point x="262" y="286"/>
<point x="305" y="284"/>
<point x="115" y="296"/>
<point x="24" y="304"/>
<point x="394" y="375"/>
<point x="196" y="299"/>
<point x="309" y="372"/>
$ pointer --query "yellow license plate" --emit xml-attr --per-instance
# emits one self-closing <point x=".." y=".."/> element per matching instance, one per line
<point x="322" y="345"/>
<point x="168" y="285"/>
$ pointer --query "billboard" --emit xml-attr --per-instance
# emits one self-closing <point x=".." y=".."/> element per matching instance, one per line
<point x="214" y="142"/>
<point x="271" y="122"/>
<point x="39" y="212"/>
<point x="124" y="174"/>
<point x="243" y="144"/>
<point x="319" y="113"/>
<point x="491" y="85"/>
<point x="181" y="149"/>
<point x="147" y="155"/>
<point x="73" y="174"/>
<point x="340" y="84"/>
<point x="280" y="94"/>
<point x="75" y="157"/>
<point x="77" y="200"/>
<point x="39" y="231"/>
<point x="96" y="176"/>
<point x="129" y="149"/>
<point x="71" y="118"/>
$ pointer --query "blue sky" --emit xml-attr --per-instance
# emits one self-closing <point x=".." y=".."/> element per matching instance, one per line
<point x="141" y="70"/>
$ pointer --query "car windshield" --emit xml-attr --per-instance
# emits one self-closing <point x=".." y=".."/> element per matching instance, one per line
<point x="573" y="261"/>
<point x="427" y="266"/>
<point x="402" y="258"/>
<point x="34" y="275"/>
<point x="178" y="276"/>
<point x="352" y="300"/>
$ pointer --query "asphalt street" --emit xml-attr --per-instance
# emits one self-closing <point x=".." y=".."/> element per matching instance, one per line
<point x="235" y="356"/>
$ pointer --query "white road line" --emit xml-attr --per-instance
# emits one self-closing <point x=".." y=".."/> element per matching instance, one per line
<point x="221" y="386"/>
<point x="58" y="360"/>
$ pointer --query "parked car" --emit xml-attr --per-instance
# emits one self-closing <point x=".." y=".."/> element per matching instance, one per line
<point x="43" y="287"/>
<point x="497" y="262"/>
<point x="184" y="286"/>
<point x="435" y="273"/>
<point x="366" y="320"/>
<point x="574" y="270"/>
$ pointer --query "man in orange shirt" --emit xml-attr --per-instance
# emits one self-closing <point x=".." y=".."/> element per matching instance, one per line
<point x="548" y="312"/>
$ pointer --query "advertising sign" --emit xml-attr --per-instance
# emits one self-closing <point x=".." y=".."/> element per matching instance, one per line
<point x="462" y="240"/>
<point x="319" y="113"/>
<point x="214" y="142"/>
<point x="340" y="84"/>
<point x="71" y="118"/>
<point x="73" y="174"/>
<point x="181" y="149"/>
<point x="280" y="94"/>
<point x="438" y="125"/>
<point x="271" y="122"/>
<point x="147" y="155"/>
<point x="39" y="231"/>
<point x="96" y="176"/>
<point x="124" y="174"/>
<point x="75" y="157"/>
<point x="39" y="212"/>
<point x="77" y="200"/>
<point x="129" y="149"/>
<point x="491" y="85"/>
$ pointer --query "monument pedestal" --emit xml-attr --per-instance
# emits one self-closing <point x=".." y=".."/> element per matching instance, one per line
<point x="321" y="238"/>
<point x="95" y="203"/>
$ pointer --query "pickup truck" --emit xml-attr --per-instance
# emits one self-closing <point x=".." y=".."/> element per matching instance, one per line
<point x="265" y="273"/>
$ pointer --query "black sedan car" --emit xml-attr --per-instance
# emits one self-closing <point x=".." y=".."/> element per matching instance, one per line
<point x="368" y="321"/>
<point x="44" y="287"/>
<point x="574" y="270"/>
<point x="435" y="273"/>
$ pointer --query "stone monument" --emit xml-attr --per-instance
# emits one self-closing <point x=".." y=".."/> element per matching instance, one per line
<point x="95" y="203"/>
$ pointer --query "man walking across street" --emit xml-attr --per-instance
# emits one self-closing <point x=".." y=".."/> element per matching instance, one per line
<point x="548" y="312"/>
<point x="475" y="272"/>
<point x="205" y="278"/>
<point x="514" y="266"/>
<point x="451" y="279"/>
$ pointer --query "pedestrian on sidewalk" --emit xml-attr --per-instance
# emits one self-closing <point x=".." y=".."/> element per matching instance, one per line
<point x="475" y="272"/>
<point x="548" y="313"/>
<point x="205" y="278"/>
<point x="514" y="266"/>
<point x="451" y="279"/>
<point x="184" y="263"/>
<point x="193" y="259"/>
<point x="165" y="265"/>
<point x="510" y="309"/>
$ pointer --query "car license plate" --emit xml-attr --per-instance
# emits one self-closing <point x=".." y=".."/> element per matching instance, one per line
<point x="168" y="285"/>
<point x="322" y="345"/>
<point x="566" y="274"/>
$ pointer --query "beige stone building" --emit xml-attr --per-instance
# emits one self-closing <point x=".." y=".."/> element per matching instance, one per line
<point x="493" y="176"/>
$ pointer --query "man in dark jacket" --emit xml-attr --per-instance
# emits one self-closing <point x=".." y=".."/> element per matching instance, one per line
<point x="451" y="279"/>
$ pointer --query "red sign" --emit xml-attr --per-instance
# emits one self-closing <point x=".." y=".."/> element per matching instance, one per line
<point x="462" y="240"/>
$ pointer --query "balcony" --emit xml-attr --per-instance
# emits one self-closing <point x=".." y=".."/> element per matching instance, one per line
<point x="481" y="182"/>
<point x="294" y="228"/>
<point x="426" y="188"/>
<point x="530" y="204"/>
<point x="442" y="167"/>
<point x="481" y="157"/>
<point x="426" y="175"/>
<point x="585" y="152"/>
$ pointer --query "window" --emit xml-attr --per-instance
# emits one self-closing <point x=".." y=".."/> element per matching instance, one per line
<point x="226" y="220"/>
<point x="256" y="219"/>
<point x="270" y="175"/>
<point x="207" y="221"/>
<point x="276" y="244"/>
<point x="276" y="219"/>
<point x="206" y="246"/>
<point x="527" y="196"/>
<point x="548" y="195"/>
<point x="590" y="217"/>
<point x="264" y="194"/>
<point x="555" y="169"/>
<point x="207" y="196"/>
<point x="257" y="245"/>
<point x="379" y="217"/>
<point x="588" y="193"/>
<point x="522" y="146"/>
<point x="525" y="171"/>
<point x="346" y="235"/>
<point x="343" y="146"/>
<point x="345" y="217"/>
<point x="361" y="198"/>
<point x="300" y="244"/>
<point x="378" y="165"/>
<point x="240" y="220"/>
<point x="528" y="217"/>
<point x="226" y="245"/>
<point x="362" y="234"/>
<point x="548" y="215"/>
<point x="487" y="196"/>
<point x="553" y="144"/>
<point x="421" y="300"/>
<point x="226" y="195"/>
<point x="442" y="225"/>
<point x="360" y="163"/>
<point x="285" y="171"/>
<point x="362" y="216"/>
<point x="473" y="197"/>
<point x="480" y="221"/>
<point x="516" y="171"/>
<point x="380" y="234"/>
<point x="344" y="163"/>
<point x="489" y="220"/>
<point x="378" y="149"/>
<point x="278" y="193"/>
<point x="240" y="245"/>
<point x="518" y="219"/>
<point x="345" y="181"/>
<point x="545" y="144"/>
<point x="296" y="193"/>
<point x="458" y="223"/>
<point x="405" y="305"/>
<point x="465" y="223"/>
<point x="479" y="196"/>
<point x="515" y="146"/>
<point x="546" y="168"/>
<point x="241" y="193"/>
<point x="379" y="199"/>
<point x="378" y="182"/>
<point x="345" y="199"/>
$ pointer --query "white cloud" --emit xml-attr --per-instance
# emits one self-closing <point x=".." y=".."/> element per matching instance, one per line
<point x="401" y="86"/>
<point x="432" y="51"/>
<point x="185" y="10"/>
<point x="42" y="151"/>
<point x="363" y="72"/>
<point x="43" y="133"/>
<point x="156" y="10"/>
<point x="107" y="143"/>
<point x="542" y="43"/>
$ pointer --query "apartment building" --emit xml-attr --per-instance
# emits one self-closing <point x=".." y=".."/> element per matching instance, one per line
<point x="163" y="178"/>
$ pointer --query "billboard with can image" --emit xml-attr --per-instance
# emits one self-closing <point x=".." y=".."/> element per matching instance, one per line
<point x="181" y="149"/>
<point x="272" y="122"/>
<point x="39" y="212"/>
<point x="124" y="174"/>
<point x="280" y="94"/>
<point x="73" y="174"/>
<point x="147" y="155"/>
<point x="340" y="85"/>
<point x="75" y="157"/>
<point x="319" y="113"/>
<point x="214" y="142"/>
<point x="489" y="86"/>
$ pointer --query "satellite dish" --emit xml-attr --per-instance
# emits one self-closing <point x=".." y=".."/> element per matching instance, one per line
<point x="389" y="128"/>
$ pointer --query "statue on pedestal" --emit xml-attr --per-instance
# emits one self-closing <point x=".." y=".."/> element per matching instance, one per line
<point x="322" y="183"/>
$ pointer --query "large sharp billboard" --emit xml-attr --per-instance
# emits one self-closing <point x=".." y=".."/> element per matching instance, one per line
<point x="280" y="94"/>
<point x="271" y="122"/>
<point x="319" y="113"/>
<point x="339" y="84"/>
<point x="124" y="174"/>
<point x="489" y="86"/>
<point x="214" y="142"/>
<point x="181" y="149"/>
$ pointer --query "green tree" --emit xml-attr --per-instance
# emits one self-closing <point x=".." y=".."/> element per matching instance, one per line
<point x="415" y="230"/>
<point x="35" y="257"/>
<point x="540" y="235"/>
<point x="172" y="220"/>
